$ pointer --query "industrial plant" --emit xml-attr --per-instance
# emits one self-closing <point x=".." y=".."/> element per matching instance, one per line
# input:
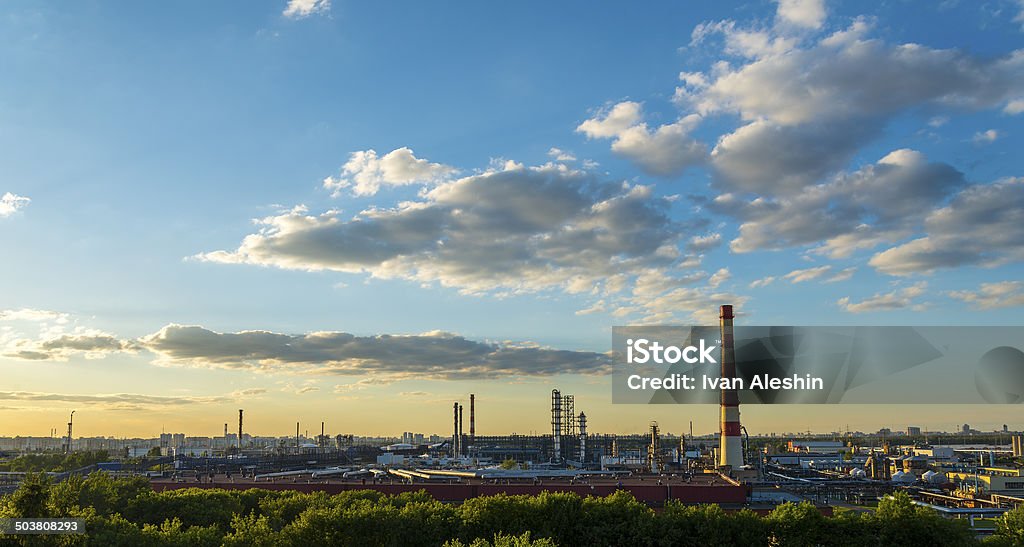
<point x="967" y="474"/>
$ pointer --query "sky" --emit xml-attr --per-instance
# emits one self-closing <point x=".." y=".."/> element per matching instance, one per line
<point x="359" y="212"/>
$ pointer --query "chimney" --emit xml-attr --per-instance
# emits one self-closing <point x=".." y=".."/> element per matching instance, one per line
<point x="472" y="420"/>
<point x="455" y="430"/>
<point x="461" y="448"/>
<point x="239" y="429"/>
<point x="730" y="446"/>
<point x="583" y="437"/>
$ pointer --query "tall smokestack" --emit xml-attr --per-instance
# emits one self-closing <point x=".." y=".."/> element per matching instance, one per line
<point x="462" y="449"/>
<point x="455" y="430"/>
<point x="472" y="420"/>
<point x="583" y="437"/>
<point x="556" y="424"/>
<point x="239" y="429"/>
<point x="730" y="446"/>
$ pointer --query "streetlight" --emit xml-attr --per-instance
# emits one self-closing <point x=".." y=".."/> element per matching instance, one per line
<point x="71" y="421"/>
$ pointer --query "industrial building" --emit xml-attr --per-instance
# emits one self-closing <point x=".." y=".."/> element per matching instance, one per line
<point x="728" y="467"/>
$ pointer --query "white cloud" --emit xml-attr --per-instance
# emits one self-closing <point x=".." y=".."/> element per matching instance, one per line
<point x="597" y="307"/>
<point x="802" y="13"/>
<point x="982" y="225"/>
<point x="518" y="230"/>
<point x="897" y="299"/>
<point x="11" y="203"/>
<point x="380" y="359"/>
<point x="808" y="274"/>
<point x="300" y="389"/>
<point x="772" y="159"/>
<point x="362" y="384"/>
<point x="91" y="344"/>
<point x="702" y="243"/>
<point x="561" y="155"/>
<point x="719" y="277"/>
<point x="124" y="401"/>
<point x="1004" y="294"/>
<point x="849" y="75"/>
<point x="365" y="172"/>
<point x="688" y="303"/>
<point x="842" y="275"/>
<point x="808" y="102"/>
<point x="985" y="137"/>
<point x="611" y="123"/>
<point x="32" y="315"/>
<point x="298" y="9"/>
<point x="752" y="43"/>
<point x="59" y="337"/>
<point x="879" y="203"/>
<point x="829" y="97"/>
<point x="665" y="151"/>
<point x="763" y="282"/>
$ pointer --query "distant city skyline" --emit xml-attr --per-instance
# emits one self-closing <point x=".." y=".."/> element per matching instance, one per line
<point x="330" y="211"/>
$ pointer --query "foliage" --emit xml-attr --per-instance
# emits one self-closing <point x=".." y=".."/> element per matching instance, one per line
<point x="1010" y="527"/>
<point x="30" y="500"/>
<point x="504" y="540"/>
<point x="55" y="462"/>
<point x="126" y="511"/>
<point x="900" y="522"/>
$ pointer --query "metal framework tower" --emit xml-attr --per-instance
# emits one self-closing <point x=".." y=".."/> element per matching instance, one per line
<point x="654" y="449"/>
<point x="569" y="413"/>
<point x="556" y="424"/>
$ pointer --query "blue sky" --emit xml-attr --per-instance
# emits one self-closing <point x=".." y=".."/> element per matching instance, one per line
<point x="839" y="164"/>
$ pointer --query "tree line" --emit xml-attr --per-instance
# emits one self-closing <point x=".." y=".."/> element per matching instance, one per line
<point x="126" y="511"/>
<point x="57" y="462"/>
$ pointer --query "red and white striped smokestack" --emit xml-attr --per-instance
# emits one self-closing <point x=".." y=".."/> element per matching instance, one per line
<point x="730" y="451"/>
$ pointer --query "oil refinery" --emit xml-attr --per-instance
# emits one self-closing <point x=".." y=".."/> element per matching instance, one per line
<point x="982" y="477"/>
